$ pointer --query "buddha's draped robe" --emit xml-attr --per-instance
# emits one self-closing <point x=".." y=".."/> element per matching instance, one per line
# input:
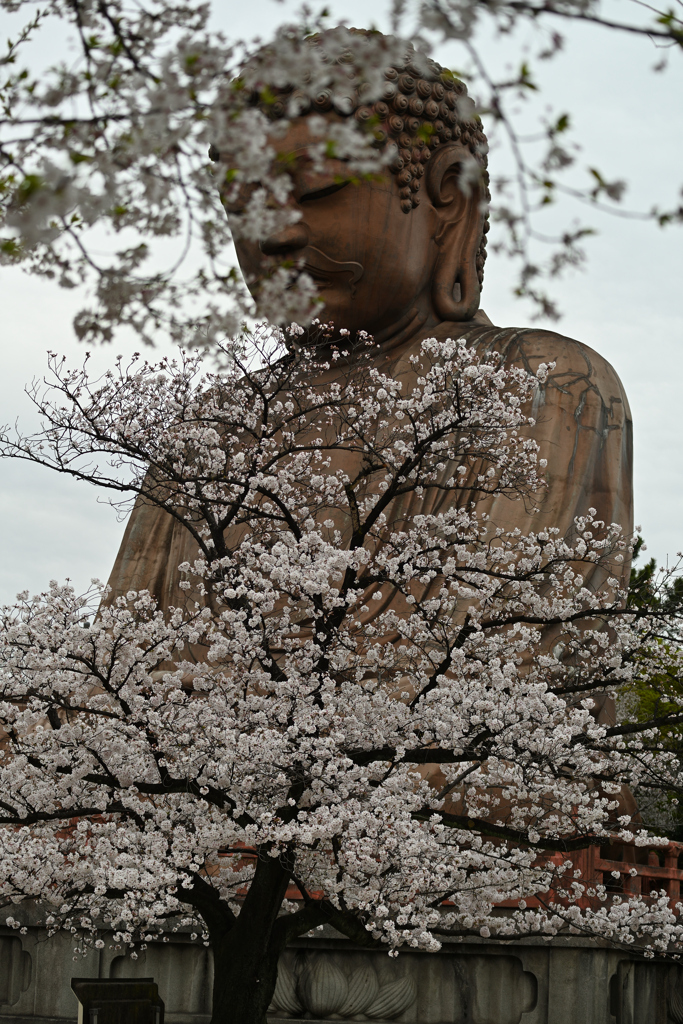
<point x="582" y="424"/>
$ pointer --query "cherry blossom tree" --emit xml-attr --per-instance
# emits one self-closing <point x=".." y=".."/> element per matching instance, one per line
<point x="365" y="713"/>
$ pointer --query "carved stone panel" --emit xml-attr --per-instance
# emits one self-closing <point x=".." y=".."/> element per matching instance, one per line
<point x="646" y="992"/>
<point x="183" y="972"/>
<point x="326" y="986"/>
<point x="674" y="997"/>
<point x="354" y="986"/>
<point x="501" y="990"/>
<point x="15" y="970"/>
<point x="324" y="978"/>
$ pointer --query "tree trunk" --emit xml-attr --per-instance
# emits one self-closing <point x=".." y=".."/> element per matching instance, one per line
<point x="243" y="982"/>
<point x="246" y="949"/>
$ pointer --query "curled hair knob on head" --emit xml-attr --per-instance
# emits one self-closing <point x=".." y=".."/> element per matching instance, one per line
<point x="419" y="98"/>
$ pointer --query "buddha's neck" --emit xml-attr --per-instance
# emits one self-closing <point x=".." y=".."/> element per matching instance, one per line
<point x="404" y="330"/>
<point x="408" y="329"/>
<point x="416" y="324"/>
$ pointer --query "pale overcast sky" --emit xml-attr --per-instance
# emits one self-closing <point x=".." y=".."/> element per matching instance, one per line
<point x="627" y="304"/>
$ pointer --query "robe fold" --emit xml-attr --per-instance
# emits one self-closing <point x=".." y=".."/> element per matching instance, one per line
<point x="582" y="424"/>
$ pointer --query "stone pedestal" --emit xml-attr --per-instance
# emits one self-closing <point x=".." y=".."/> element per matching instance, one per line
<point x="324" y="978"/>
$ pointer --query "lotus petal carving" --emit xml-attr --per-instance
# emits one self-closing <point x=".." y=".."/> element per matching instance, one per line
<point x="284" y="996"/>
<point x="392" y="999"/>
<point x="323" y="989"/>
<point x="363" y="990"/>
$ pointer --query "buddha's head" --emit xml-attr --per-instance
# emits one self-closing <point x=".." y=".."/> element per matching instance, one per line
<point x="404" y="245"/>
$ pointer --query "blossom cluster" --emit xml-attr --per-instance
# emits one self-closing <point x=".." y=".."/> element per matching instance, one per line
<point x="363" y="685"/>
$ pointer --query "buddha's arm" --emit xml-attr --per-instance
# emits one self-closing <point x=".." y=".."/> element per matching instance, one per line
<point x="153" y="547"/>
<point x="583" y="427"/>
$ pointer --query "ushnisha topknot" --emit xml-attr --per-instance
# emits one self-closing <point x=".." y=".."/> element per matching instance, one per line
<point x="422" y="106"/>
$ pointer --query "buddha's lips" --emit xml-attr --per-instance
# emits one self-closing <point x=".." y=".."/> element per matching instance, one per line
<point x="322" y="267"/>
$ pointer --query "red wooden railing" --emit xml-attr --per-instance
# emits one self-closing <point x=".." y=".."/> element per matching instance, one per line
<point x="624" y="869"/>
<point x="611" y="866"/>
<point x="655" y="869"/>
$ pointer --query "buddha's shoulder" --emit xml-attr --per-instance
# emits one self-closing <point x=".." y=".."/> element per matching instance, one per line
<point x="575" y="364"/>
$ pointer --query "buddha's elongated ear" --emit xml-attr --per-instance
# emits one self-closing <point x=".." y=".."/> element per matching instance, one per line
<point x="455" y="189"/>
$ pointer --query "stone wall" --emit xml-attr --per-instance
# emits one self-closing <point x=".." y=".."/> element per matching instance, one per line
<point x="326" y="979"/>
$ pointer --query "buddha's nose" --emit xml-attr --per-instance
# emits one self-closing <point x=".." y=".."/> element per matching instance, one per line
<point x="289" y="239"/>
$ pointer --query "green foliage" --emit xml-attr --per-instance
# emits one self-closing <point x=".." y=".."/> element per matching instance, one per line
<point x="645" y="591"/>
<point x="654" y="697"/>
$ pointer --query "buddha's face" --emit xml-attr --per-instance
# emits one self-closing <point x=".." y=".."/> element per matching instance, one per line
<point x="372" y="262"/>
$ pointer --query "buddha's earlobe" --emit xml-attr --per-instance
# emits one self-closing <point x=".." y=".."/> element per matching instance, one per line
<point x="457" y="201"/>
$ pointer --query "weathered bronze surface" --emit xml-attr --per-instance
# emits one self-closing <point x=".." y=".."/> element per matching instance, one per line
<point x="401" y="256"/>
<point x="404" y="276"/>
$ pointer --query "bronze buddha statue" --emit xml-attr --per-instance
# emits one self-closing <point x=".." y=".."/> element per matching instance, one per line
<point x="401" y="256"/>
